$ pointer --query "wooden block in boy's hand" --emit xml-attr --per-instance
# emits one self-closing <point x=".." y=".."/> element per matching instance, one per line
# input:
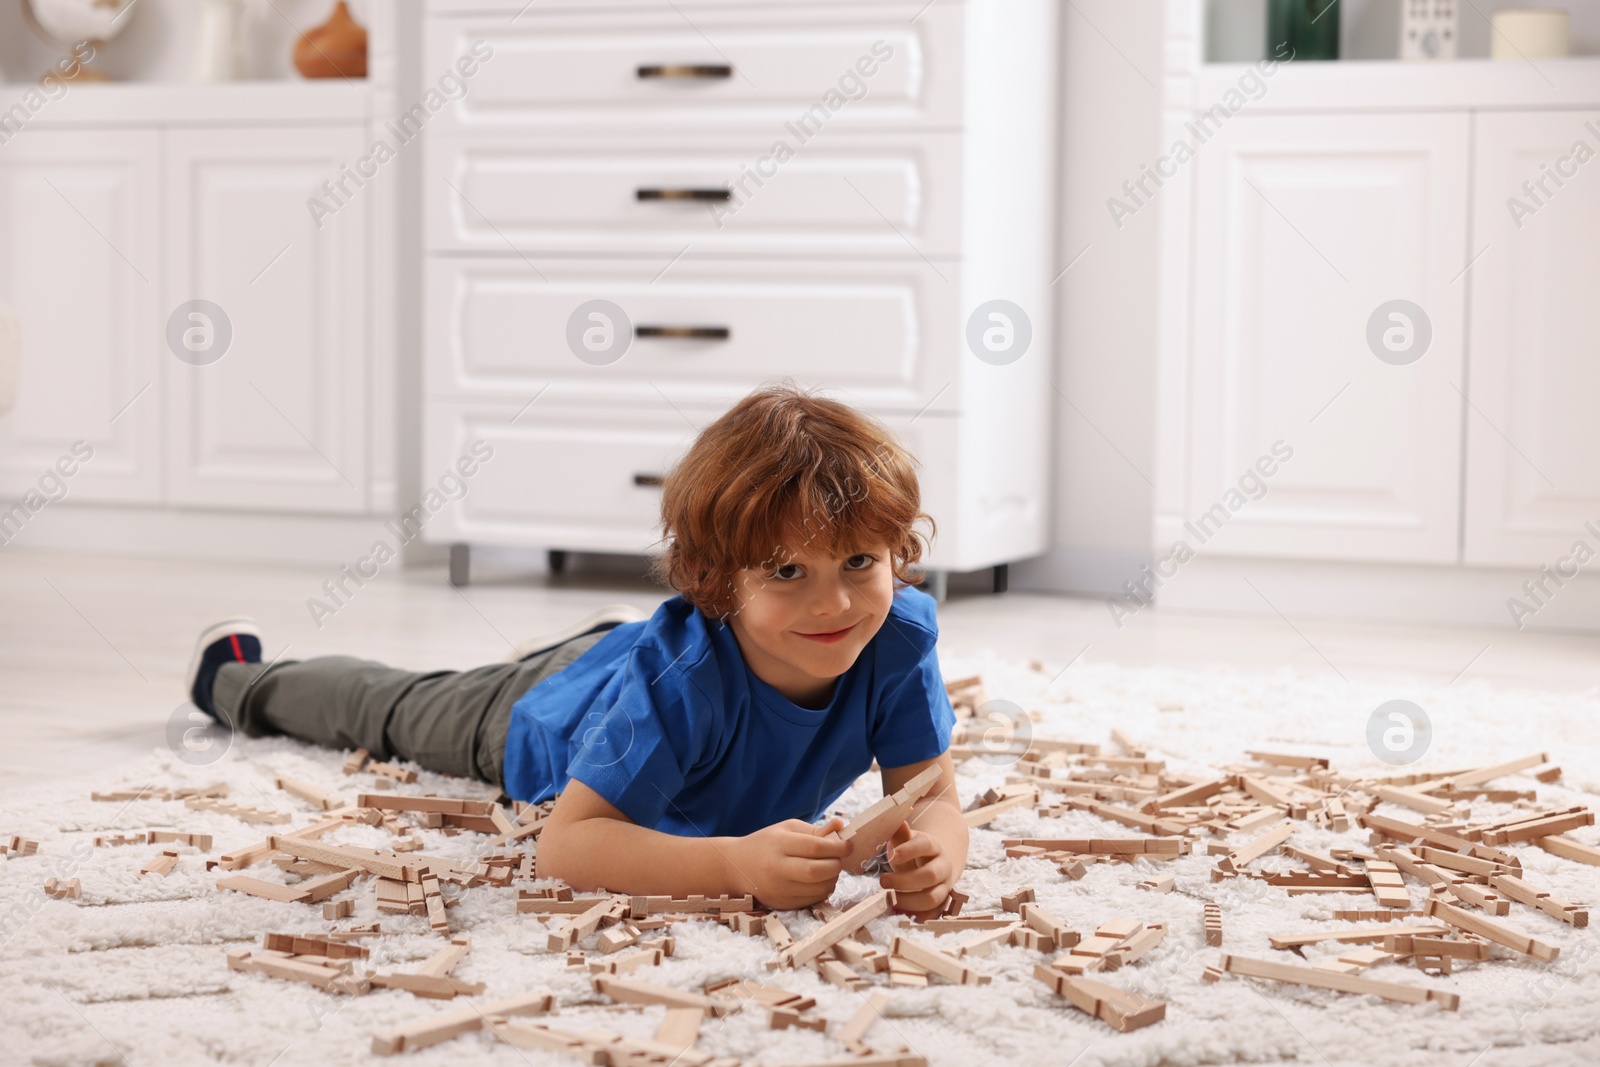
<point x="868" y="831"/>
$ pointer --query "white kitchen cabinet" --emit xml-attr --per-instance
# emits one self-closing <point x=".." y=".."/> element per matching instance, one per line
<point x="279" y="422"/>
<point x="1533" y="436"/>
<point x="80" y="245"/>
<point x="1305" y="225"/>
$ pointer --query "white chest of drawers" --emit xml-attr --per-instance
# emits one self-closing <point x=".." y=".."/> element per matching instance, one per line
<point x="827" y="192"/>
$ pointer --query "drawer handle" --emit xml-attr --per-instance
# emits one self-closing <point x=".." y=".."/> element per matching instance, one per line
<point x="683" y="194"/>
<point x="686" y="70"/>
<point x="647" y="479"/>
<point x="695" y="333"/>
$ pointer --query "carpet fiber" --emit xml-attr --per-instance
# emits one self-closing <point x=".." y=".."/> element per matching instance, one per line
<point x="134" y="971"/>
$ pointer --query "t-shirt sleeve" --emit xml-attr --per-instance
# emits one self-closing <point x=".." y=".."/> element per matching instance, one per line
<point x="914" y="718"/>
<point x="637" y="749"/>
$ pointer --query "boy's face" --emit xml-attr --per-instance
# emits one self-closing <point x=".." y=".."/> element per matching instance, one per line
<point x="788" y="617"/>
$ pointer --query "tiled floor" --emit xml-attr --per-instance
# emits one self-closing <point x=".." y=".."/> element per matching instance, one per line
<point x="93" y="649"/>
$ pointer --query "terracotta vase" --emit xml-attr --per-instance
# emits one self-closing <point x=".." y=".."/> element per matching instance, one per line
<point x="336" y="49"/>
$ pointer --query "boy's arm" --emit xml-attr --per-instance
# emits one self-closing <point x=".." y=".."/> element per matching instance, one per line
<point x="590" y="844"/>
<point x="938" y="811"/>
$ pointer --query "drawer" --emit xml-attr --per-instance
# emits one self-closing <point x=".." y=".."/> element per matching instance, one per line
<point x="578" y="477"/>
<point x="879" y="334"/>
<point x="760" y="67"/>
<point x="581" y="476"/>
<point x="888" y="194"/>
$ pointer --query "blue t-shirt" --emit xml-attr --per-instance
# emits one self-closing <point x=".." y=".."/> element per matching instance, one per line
<point x="665" y="720"/>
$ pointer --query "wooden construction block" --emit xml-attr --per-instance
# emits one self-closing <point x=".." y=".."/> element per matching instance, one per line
<point x="1466" y="864"/>
<point x="308" y="792"/>
<point x="402" y="775"/>
<point x="981" y="942"/>
<point x="903" y="972"/>
<point x="1568" y="849"/>
<point x="338" y="909"/>
<point x="984" y="815"/>
<point x="847" y="923"/>
<point x="1122" y="1010"/>
<point x="435" y="902"/>
<point x="68" y="890"/>
<point x="1259" y="846"/>
<point x="580" y="926"/>
<point x="634" y="991"/>
<point x="680" y="1027"/>
<point x="1499" y="933"/>
<point x="696" y="903"/>
<point x="1355" y="937"/>
<point x="1160" y="884"/>
<point x="446" y="1025"/>
<point x="1136" y="945"/>
<point x="243" y="883"/>
<point x="1059" y="934"/>
<point x="1409" y="832"/>
<point x="311" y="945"/>
<point x="395" y="867"/>
<point x="936" y="961"/>
<point x="851" y="1033"/>
<point x="1527" y="893"/>
<point x="1387" y="885"/>
<point x="1284" y="760"/>
<point x="199" y="841"/>
<point x="1014" y="901"/>
<point x="1213" y="925"/>
<point x="838" y="973"/>
<point x="871" y="829"/>
<point x="326" y="978"/>
<point x="444" y="961"/>
<point x="1151" y="847"/>
<point x="270" y="816"/>
<point x="617" y="938"/>
<point x="162" y="864"/>
<point x="1344" y="983"/>
<point x="1479" y="897"/>
<point x="113" y="840"/>
<point x="1415" y="800"/>
<point x="434" y="987"/>
<point x="1484" y="774"/>
<point x="317" y="889"/>
<point x="648" y="957"/>
<point x="1550" y="826"/>
<point x="356" y="761"/>
<point x="1370" y="915"/>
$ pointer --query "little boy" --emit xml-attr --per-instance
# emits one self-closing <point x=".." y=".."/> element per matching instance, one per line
<point x="691" y="751"/>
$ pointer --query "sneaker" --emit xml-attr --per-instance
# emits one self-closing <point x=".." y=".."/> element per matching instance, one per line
<point x="229" y="641"/>
<point x="604" y="619"/>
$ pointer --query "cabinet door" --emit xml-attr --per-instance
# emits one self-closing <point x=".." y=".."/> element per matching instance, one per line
<point x="279" y="421"/>
<point x="1307" y="226"/>
<point x="1532" y="432"/>
<point x="79" y="220"/>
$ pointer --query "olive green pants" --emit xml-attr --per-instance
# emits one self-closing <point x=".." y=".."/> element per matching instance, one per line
<point x="453" y="722"/>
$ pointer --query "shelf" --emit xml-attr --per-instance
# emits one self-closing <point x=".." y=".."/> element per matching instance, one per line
<point x="1393" y="85"/>
<point x="243" y="103"/>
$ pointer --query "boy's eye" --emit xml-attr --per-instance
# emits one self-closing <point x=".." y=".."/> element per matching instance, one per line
<point x="780" y="572"/>
<point x="862" y="560"/>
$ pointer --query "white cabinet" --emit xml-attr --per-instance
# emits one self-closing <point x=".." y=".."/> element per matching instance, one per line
<point x="1306" y="225"/>
<point x="279" y="421"/>
<point x="831" y="193"/>
<point x="105" y="232"/>
<point x="80" y="265"/>
<point x="1533" y="435"/>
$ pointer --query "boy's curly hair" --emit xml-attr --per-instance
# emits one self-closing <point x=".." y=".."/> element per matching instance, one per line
<point x="782" y="461"/>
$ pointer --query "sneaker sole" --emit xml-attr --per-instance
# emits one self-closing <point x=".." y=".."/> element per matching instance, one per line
<point x="216" y="631"/>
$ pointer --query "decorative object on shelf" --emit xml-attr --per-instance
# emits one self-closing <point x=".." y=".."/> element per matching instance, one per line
<point x="1529" y="33"/>
<point x="336" y="49"/>
<point x="219" y="53"/>
<point x="1310" y="28"/>
<point x="10" y="357"/>
<point x="1428" y="29"/>
<point x="68" y="23"/>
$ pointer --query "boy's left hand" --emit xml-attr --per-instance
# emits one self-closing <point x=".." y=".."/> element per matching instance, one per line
<point x="921" y="873"/>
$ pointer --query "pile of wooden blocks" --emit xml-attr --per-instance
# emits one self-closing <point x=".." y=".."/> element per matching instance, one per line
<point x="1245" y="816"/>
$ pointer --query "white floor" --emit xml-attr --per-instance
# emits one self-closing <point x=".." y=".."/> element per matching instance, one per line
<point x="92" y="649"/>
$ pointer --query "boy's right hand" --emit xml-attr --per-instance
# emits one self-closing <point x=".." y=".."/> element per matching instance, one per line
<point x="790" y="864"/>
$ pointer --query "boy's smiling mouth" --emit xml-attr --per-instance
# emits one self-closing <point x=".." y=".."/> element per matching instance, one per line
<point x="829" y="635"/>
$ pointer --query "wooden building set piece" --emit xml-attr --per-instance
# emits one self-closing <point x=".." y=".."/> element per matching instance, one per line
<point x="871" y="830"/>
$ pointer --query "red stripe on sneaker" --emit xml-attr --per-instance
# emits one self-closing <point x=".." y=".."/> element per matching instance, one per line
<point x="238" y="653"/>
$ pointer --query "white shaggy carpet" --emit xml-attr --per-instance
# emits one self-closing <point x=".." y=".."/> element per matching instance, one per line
<point x="134" y="972"/>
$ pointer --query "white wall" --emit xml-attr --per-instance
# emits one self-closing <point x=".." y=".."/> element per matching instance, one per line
<point x="1106" y="310"/>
